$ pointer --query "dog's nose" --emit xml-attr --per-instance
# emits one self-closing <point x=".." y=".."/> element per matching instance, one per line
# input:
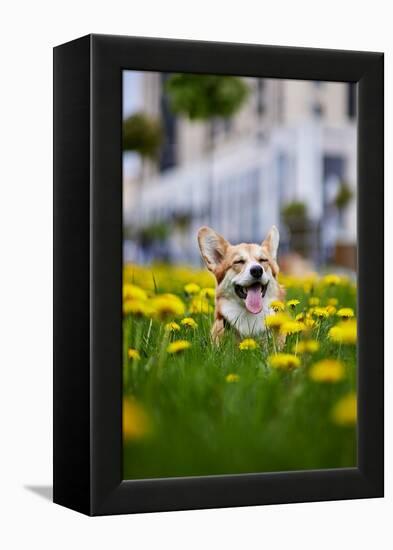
<point x="256" y="271"/>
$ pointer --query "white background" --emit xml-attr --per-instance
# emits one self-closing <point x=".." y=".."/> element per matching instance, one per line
<point x="29" y="30"/>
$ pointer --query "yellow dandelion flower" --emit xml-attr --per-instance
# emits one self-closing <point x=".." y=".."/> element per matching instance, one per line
<point x="276" y="320"/>
<point x="136" y="423"/>
<point x="133" y="354"/>
<point x="200" y="305"/>
<point x="308" y="287"/>
<point x="292" y="304"/>
<point x="332" y="302"/>
<point x="306" y="346"/>
<point x="285" y="280"/>
<point x="166" y="305"/>
<point x="284" y="361"/>
<point x="178" y="345"/>
<point x="292" y="327"/>
<point x="192" y="288"/>
<point x="327" y="370"/>
<point x="133" y="292"/>
<point x="344" y="412"/>
<point x="207" y="293"/>
<point x="344" y="332"/>
<point x="172" y="327"/>
<point x="189" y="322"/>
<point x="309" y="323"/>
<point x="345" y="313"/>
<point x="248" y="343"/>
<point x="331" y="280"/>
<point x="320" y="312"/>
<point x="331" y="310"/>
<point x="277" y="305"/>
<point x="300" y="317"/>
<point x="137" y="308"/>
<point x="314" y="301"/>
<point x="230" y="378"/>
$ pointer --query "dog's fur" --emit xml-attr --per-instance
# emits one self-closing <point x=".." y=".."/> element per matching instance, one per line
<point x="231" y="265"/>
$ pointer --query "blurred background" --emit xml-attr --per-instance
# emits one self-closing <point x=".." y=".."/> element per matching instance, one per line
<point x="239" y="154"/>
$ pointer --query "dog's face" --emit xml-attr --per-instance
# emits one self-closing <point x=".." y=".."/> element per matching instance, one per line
<point x="245" y="273"/>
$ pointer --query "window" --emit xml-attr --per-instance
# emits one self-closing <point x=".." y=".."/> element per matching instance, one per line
<point x="317" y="109"/>
<point x="260" y="96"/>
<point x="351" y="100"/>
<point x="168" y="150"/>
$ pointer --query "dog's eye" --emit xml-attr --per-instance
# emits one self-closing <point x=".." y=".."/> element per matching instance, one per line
<point x="263" y="260"/>
<point x="239" y="262"/>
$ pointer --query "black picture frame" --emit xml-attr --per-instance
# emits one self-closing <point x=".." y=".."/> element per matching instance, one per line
<point x="88" y="274"/>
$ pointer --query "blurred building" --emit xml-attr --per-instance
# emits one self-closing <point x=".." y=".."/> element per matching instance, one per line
<point x="292" y="141"/>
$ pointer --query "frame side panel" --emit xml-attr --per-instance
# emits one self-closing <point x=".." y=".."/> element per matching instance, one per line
<point x="371" y="286"/>
<point x="71" y="317"/>
<point x="106" y="266"/>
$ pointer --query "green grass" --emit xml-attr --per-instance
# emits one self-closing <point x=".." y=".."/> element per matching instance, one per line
<point x="269" y="420"/>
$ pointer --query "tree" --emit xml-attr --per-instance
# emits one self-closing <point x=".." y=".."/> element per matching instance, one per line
<point x="293" y="212"/>
<point x="203" y="97"/>
<point x="295" y="216"/>
<point x="343" y="197"/>
<point x="142" y="134"/>
<point x="206" y="98"/>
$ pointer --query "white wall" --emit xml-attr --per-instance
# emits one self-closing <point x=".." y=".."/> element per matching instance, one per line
<point x="28" y="31"/>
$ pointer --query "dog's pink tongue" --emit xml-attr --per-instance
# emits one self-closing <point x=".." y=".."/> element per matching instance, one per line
<point x="254" y="299"/>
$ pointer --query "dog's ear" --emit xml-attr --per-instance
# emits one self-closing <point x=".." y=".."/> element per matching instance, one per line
<point x="271" y="242"/>
<point x="212" y="246"/>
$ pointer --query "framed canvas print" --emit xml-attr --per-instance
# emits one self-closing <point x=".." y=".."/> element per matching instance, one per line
<point x="218" y="275"/>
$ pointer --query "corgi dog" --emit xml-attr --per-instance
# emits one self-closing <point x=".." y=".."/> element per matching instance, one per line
<point x="246" y="276"/>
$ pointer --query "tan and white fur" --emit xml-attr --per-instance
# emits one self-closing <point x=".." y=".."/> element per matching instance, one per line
<point x="246" y="276"/>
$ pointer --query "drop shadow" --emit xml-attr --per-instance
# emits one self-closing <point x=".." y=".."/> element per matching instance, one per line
<point x="44" y="491"/>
